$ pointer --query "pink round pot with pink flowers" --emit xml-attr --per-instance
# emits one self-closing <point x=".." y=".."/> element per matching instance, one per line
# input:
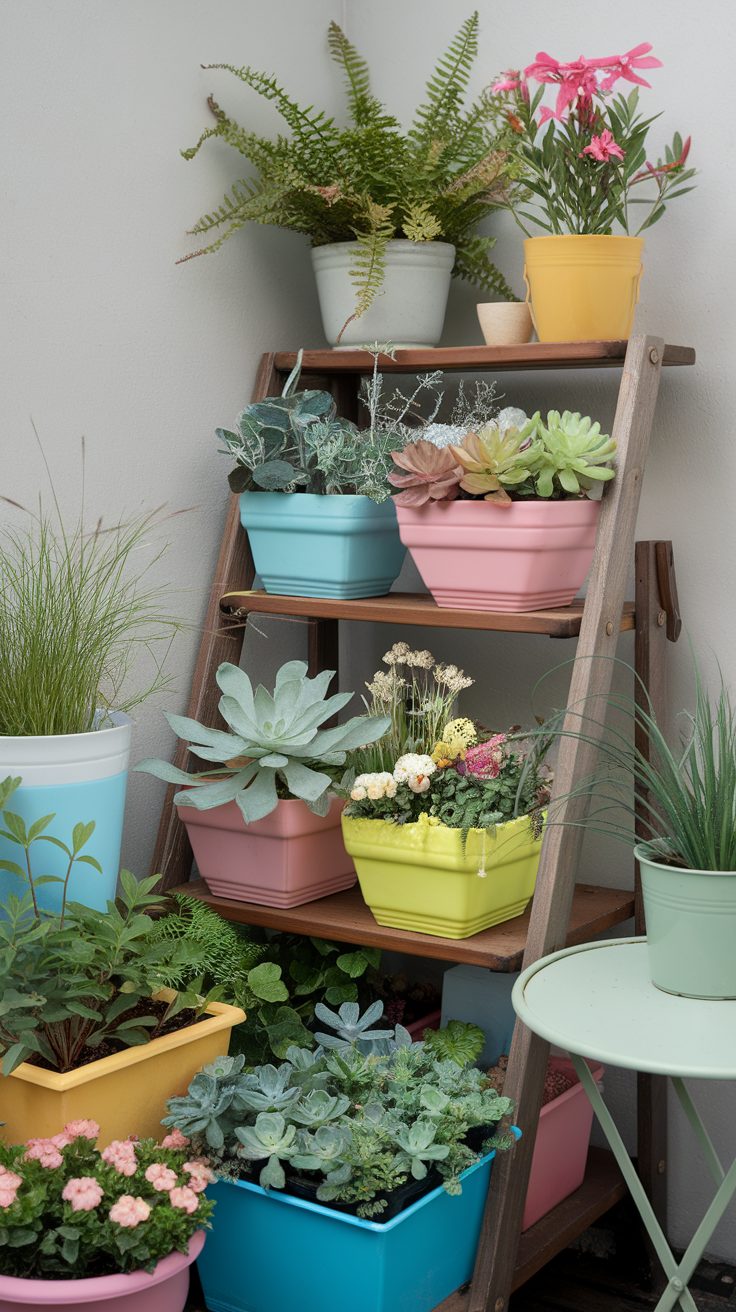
<point x="164" y="1289"/>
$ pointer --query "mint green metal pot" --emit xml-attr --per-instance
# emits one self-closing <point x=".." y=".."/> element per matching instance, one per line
<point x="691" y="928"/>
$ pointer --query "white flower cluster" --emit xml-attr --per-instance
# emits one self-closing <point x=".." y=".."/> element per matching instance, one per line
<point x="373" y="786"/>
<point x="453" y="678"/>
<point x="402" y="654"/>
<point x="414" y="770"/>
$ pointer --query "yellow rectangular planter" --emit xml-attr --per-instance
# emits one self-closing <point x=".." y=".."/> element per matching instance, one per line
<point x="418" y="877"/>
<point x="125" y="1093"/>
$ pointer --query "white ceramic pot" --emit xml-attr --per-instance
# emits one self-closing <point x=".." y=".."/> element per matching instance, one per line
<point x="505" y="323"/>
<point x="76" y="776"/>
<point x="409" y="310"/>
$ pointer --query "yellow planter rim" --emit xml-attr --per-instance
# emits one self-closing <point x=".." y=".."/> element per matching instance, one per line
<point x="221" y="1016"/>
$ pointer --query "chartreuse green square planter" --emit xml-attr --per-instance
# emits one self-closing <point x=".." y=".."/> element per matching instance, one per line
<point x="306" y="545"/>
<point x="422" y="876"/>
<point x="271" y="1252"/>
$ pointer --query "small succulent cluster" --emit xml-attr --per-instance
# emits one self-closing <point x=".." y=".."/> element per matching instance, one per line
<point x="275" y="746"/>
<point x="356" y="1118"/>
<point x="567" y="456"/>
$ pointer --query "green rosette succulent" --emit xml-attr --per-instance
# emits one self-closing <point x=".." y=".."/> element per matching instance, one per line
<point x="573" y="455"/>
<point x="494" y="459"/>
<point x="275" y="745"/>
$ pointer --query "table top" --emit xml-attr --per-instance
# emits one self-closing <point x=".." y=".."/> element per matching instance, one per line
<point x="597" y="1000"/>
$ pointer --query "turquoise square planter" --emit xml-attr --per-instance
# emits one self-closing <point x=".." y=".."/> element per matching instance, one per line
<point x="269" y="1252"/>
<point x="306" y="545"/>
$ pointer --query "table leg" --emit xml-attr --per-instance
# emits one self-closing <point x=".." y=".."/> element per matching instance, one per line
<point x="676" y="1292"/>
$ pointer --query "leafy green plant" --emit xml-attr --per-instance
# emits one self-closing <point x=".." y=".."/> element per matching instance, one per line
<point x="371" y="181"/>
<point x="76" y="614"/>
<point x="69" y="1213"/>
<point x="685" y="792"/>
<point x="69" y="986"/>
<point x="275" y="739"/>
<point x="457" y="1041"/>
<point x="358" y="1117"/>
<point x="584" y="163"/>
<point x="573" y="457"/>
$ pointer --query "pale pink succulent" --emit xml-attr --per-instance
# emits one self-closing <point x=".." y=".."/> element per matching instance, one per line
<point x="83" y="1193"/>
<point x="184" y="1198"/>
<point x="129" y="1211"/>
<point x="161" y="1177"/>
<point x="431" y="474"/>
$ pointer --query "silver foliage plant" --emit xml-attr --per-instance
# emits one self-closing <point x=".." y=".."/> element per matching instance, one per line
<point x="275" y="745"/>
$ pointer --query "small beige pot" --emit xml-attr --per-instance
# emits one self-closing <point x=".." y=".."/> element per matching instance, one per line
<point x="505" y="323"/>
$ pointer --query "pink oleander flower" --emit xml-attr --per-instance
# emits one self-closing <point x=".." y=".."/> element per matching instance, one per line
<point x="175" y="1139"/>
<point x="121" y="1154"/>
<point x="625" y="65"/>
<point x="184" y="1198"/>
<point x="10" y="1183"/>
<point x="603" y="147"/>
<point x="511" y="80"/>
<point x="656" y="170"/>
<point x="84" y="1194"/>
<point x="161" y="1177"/>
<point x="200" y="1175"/>
<point x="576" y="80"/>
<point x="129" y="1211"/>
<point x="81" y="1130"/>
<point x="485" y="760"/>
<point x="44" y="1151"/>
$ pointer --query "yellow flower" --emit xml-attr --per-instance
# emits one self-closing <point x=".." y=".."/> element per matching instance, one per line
<point x="459" y="735"/>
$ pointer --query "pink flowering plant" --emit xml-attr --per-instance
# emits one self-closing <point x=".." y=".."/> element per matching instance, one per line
<point x="583" y="155"/>
<point x="70" y="1210"/>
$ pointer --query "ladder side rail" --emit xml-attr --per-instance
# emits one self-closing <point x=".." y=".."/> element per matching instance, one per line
<point x="590" y="683"/>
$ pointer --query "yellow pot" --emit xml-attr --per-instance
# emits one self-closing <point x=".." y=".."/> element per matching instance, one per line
<point x="125" y="1093"/>
<point x="582" y="288"/>
<point x="419" y="877"/>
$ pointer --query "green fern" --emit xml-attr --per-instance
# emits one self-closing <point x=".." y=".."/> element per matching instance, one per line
<point x="371" y="181"/>
<point x="369" y="265"/>
<point x="227" y="952"/>
<point x="420" y="224"/>
<point x="448" y="85"/>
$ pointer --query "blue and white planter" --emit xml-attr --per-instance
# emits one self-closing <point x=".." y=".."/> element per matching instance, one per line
<point x="79" y="776"/>
<point x="268" y="1250"/>
<point x="305" y="545"/>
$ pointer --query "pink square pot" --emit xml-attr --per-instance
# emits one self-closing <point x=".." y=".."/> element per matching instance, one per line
<point x="474" y="555"/>
<point x="291" y="857"/>
<point x="561" y="1147"/>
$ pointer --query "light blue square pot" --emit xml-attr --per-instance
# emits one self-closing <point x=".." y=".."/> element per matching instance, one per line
<point x="269" y="1252"/>
<point x="305" y="545"/>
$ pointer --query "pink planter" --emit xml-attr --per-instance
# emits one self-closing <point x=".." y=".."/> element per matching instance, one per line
<point x="164" y="1289"/>
<point x="291" y="857"/>
<point x="473" y="555"/>
<point x="561" y="1147"/>
<point x="429" y="1022"/>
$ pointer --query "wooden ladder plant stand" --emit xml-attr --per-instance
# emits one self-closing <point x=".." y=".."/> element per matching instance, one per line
<point x="562" y="910"/>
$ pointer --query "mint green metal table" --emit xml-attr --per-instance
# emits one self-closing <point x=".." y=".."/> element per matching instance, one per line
<point x="597" y="1001"/>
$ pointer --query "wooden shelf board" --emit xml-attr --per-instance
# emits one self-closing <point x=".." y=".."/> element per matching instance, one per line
<point x="345" y="918"/>
<point x="601" y="1189"/>
<point x="457" y="359"/>
<point x="416" y="608"/>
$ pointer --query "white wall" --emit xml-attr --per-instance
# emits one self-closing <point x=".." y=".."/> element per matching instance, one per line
<point x="687" y="296"/>
<point x="103" y="335"/>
